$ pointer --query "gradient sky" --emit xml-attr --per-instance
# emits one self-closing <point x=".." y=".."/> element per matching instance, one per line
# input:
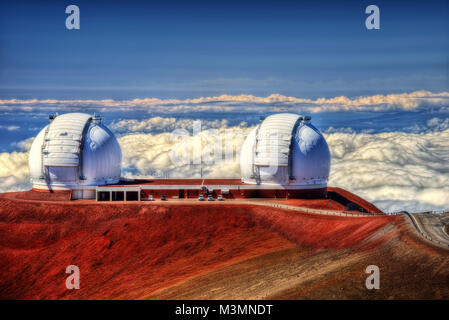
<point x="167" y="49"/>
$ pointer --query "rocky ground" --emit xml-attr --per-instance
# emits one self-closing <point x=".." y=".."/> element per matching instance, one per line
<point x="191" y="250"/>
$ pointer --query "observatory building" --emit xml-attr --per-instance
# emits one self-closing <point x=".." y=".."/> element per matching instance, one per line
<point x="76" y="152"/>
<point x="285" y="156"/>
<point x="287" y="151"/>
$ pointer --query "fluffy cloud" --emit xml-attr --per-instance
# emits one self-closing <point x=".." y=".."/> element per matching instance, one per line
<point x="24" y="145"/>
<point x="394" y="170"/>
<point x="273" y="102"/>
<point x="432" y="125"/>
<point x="14" y="173"/>
<point x="162" y="124"/>
<point x="9" y="128"/>
<point x="179" y="156"/>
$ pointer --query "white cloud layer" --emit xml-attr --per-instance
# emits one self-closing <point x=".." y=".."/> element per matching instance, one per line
<point x="273" y="102"/>
<point x="163" y="124"/>
<point x="14" y="173"/>
<point x="150" y="155"/>
<point x="9" y="128"/>
<point x="394" y="170"/>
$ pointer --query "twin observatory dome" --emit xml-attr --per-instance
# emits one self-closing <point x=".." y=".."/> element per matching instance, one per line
<point x="77" y="152"/>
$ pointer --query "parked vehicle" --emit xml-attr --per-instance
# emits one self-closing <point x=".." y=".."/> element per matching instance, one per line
<point x="150" y="197"/>
<point x="220" y="198"/>
<point x="163" y="198"/>
<point x="210" y="198"/>
<point x="201" y="198"/>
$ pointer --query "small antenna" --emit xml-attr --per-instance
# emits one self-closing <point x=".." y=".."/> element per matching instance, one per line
<point x="96" y="117"/>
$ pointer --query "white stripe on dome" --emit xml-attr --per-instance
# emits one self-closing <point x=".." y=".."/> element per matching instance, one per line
<point x="63" y="139"/>
<point x="273" y="140"/>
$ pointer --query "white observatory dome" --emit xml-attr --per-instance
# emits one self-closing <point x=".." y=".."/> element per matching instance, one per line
<point x="285" y="149"/>
<point x="75" y="151"/>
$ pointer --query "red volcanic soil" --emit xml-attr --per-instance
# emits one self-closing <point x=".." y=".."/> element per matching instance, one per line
<point x="205" y="250"/>
<point x="60" y="195"/>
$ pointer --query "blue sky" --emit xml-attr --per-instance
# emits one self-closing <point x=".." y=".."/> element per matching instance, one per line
<point x="167" y="49"/>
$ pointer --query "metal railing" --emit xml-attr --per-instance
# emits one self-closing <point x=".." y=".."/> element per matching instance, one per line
<point x="422" y="233"/>
<point x="343" y="213"/>
<point x="422" y="212"/>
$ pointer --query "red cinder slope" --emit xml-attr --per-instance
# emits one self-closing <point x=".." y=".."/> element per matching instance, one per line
<point x="129" y="251"/>
<point x="319" y="231"/>
<point x="43" y="195"/>
<point x="123" y="251"/>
